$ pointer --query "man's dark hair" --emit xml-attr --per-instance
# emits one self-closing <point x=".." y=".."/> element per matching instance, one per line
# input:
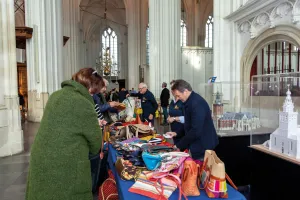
<point x="181" y="85"/>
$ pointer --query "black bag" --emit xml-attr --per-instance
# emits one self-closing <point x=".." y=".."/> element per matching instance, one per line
<point x="95" y="171"/>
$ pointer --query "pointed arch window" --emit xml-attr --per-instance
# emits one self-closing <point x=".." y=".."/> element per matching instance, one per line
<point x="183" y="33"/>
<point x="209" y="32"/>
<point x="110" y="39"/>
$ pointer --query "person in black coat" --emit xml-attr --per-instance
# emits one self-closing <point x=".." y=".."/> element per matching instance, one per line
<point x="122" y="95"/>
<point x="149" y="104"/>
<point x="164" y="101"/>
<point x="200" y="133"/>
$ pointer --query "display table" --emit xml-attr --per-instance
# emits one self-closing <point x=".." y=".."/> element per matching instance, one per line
<point x="233" y="150"/>
<point x="273" y="175"/>
<point x="123" y="186"/>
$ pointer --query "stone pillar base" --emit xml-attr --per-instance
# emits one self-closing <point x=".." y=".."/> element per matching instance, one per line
<point x="11" y="140"/>
<point x="36" y="105"/>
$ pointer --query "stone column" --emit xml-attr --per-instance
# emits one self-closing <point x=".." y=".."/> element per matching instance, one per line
<point x="44" y="53"/>
<point x="133" y="13"/>
<point x="165" y="50"/>
<point x="11" y="140"/>
<point x="71" y="29"/>
<point x="144" y="25"/>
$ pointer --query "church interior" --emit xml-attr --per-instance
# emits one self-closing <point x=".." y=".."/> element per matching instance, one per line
<point x="249" y="47"/>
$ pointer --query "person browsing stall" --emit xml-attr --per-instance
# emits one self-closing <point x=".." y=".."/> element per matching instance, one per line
<point x="59" y="163"/>
<point x="104" y="106"/>
<point x="200" y="133"/>
<point x="176" y="117"/>
<point x="148" y="103"/>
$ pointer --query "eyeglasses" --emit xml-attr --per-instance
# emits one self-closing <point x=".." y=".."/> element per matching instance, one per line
<point x="141" y="88"/>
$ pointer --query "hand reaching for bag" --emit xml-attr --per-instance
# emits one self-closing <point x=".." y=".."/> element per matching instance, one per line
<point x="102" y="122"/>
<point x="113" y="104"/>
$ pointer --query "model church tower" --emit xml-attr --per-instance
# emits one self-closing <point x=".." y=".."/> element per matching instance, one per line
<point x="218" y="106"/>
<point x="286" y="138"/>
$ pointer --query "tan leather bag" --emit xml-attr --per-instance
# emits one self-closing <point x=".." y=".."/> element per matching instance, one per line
<point x="190" y="178"/>
<point x="140" y="130"/>
<point x="213" y="176"/>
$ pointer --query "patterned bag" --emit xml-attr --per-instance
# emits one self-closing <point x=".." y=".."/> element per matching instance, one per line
<point x="156" y="185"/>
<point x="127" y="171"/>
<point x="213" y="176"/>
<point x="108" y="190"/>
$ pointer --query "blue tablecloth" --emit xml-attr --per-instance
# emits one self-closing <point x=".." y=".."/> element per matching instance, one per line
<point x="123" y="186"/>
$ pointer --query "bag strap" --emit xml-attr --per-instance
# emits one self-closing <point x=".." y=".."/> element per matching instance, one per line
<point x="175" y="153"/>
<point x="230" y="181"/>
<point x="137" y="132"/>
<point x="173" y="177"/>
<point x="127" y="132"/>
<point x="201" y="170"/>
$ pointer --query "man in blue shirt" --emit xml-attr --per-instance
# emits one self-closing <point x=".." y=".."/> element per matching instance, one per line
<point x="149" y="104"/>
<point x="200" y="133"/>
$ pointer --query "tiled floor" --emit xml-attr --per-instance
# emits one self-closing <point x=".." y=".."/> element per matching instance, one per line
<point x="14" y="169"/>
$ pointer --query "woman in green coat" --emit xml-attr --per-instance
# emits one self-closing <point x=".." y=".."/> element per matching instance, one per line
<point x="59" y="164"/>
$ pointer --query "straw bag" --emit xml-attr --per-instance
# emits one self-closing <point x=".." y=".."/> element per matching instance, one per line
<point x="190" y="178"/>
<point x="134" y="130"/>
<point x="213" y="176"/>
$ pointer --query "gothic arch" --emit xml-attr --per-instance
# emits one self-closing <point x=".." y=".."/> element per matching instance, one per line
<point x="287" y="33"/>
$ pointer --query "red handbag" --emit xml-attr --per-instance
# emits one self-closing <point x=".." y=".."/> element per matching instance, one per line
<point x="108" y="190"/>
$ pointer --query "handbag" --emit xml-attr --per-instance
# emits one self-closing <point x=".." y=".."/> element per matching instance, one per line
<point x="140" y="130"/>
<point x="213" y="176"/>
<point x="156" y="185"/>
<point x="190" y="178"/>
<point x="108" y="190"/>
<point x="153" y="161"/>
<point x="126" y="170"/>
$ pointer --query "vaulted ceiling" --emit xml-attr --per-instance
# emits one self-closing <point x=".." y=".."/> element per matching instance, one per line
<point x="92" y="14"/>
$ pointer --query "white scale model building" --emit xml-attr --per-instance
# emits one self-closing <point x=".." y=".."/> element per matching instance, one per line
<point x="286" y="138"/>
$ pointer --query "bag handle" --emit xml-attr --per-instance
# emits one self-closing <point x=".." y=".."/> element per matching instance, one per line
<point x="113" y="194"/>
<point x="230" y="181"/>
<point x="173" y="177"/>
<point x="127" y="132"/>
<point x="175" y="153"/>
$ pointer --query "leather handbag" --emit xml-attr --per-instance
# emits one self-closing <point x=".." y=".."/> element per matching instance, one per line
<point x="133" y="130"/>
<point x="140" y="130"/>
<point x="213" y="176"/>
<point x="108" y="190"/>
<point x="190" y="178"/>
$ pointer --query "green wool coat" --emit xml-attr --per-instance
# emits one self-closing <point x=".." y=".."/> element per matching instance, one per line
<point x="59" y="166"/>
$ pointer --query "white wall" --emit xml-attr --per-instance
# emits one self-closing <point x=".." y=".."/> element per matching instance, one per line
<point x="237" y="24"/>
<point x="197" y="68"/>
